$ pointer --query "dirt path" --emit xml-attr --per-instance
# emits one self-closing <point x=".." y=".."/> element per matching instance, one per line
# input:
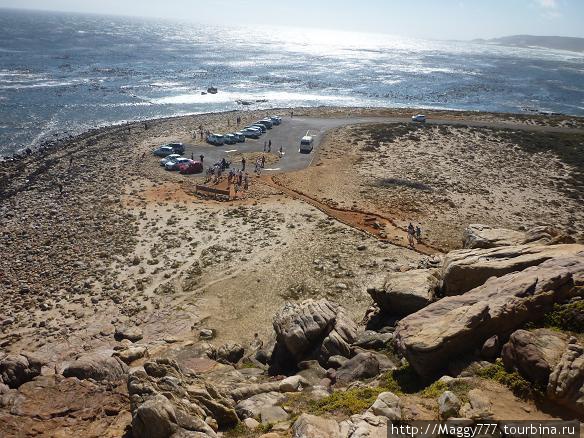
<point x="376" y="225"/>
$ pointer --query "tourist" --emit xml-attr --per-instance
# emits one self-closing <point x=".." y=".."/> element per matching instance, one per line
<point x="418" y="233"/>
<point x="242" y="163"/>
<point x="411" y="234"/>
<point x="263" y="161"/>
<point x="281" y="152"/>
<point x="201" y="158"/>
<point x="246" y="181"/>
<point x="265" y="145"/>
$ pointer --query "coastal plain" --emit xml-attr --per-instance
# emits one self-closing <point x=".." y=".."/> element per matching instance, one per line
<point x="98" y="241"/>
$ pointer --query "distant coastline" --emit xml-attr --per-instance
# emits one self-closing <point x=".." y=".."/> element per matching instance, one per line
<point x="572" y="44"/>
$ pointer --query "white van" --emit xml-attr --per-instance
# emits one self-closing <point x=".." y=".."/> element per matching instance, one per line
<point x="306" y="144"/>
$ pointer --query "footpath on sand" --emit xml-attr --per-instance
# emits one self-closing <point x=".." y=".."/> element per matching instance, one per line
<point x="381" y="227"/>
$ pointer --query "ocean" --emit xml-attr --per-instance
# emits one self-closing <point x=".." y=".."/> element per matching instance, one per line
<point x="66" y="73"/>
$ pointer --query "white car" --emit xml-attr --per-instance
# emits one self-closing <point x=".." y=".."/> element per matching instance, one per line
<point x="306" y="144"/>
<point x="419" y="118"/>
<point x="174" y="165"/>
<point x="169" y="158"/>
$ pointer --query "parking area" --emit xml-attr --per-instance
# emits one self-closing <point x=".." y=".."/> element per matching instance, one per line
<point x="287" y="135"/>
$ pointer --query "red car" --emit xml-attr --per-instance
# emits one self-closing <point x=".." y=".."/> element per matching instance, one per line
<point x="191" y="167"/>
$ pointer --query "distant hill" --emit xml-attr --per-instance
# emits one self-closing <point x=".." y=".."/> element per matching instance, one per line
<point x="549" y="42"/>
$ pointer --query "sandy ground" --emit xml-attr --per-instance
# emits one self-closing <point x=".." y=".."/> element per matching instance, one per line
<point x="443" y="178"/>
<point x="129" y="244"/>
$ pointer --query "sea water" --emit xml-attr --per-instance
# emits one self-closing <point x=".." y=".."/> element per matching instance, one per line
<point x="71" y="72"/>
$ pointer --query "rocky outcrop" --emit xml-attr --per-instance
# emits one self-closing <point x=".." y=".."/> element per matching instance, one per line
<point x="534" y="354"/>
<point x="311" y="330"/>
<point x="97" y="366"/>
<point x="566" y="382"/>
<point x="16" y="369"/>
<point x="229" y="353"/>
<point x="485" y="236"/>
<point x="406" y="292"/>
<point x="466" y="269"/>
<point x="455" y="325"/>
<point x="165" y="401"/>
<point x="55" y="406"/>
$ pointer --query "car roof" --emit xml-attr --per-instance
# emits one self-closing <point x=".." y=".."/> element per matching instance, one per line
<point x="307" y="137"/>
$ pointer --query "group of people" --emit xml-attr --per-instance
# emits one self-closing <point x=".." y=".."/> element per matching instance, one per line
<point x="239" y="179"/>
<point x="414" y="234"/>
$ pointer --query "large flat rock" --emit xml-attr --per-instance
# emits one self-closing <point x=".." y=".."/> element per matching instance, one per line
<point x="455" y="325"/>
<point x="406" y="292"/>
<point x="466" y="269"/>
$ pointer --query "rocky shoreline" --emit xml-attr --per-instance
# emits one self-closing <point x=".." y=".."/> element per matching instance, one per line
<point x="129" y="306"/>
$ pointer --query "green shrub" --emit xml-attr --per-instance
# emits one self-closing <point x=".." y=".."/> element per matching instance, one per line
<point x="568" y="317"/>
<point x="352" y="401"/>
<point x="514" y="381"/>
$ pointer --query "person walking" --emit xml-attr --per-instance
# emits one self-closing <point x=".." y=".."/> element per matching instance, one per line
<point x="243" y="163"/>
<point x="281" y="151"/>
<point x="411" y="234"/>
<point x="263" y="161"/>
<point x="201" y="157"/>
<point x="265" y="145"/>
<point x="418" y="233"/>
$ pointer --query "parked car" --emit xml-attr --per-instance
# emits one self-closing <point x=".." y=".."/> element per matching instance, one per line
<point x="163" y="151"/>
<point x="252" y="132"/>
<point x="276" y="120"/>
<point x="306" y="144"/>
<point x="174" y="165"/>
<point x="259" y="126"/>
<point x="419" y="118"/>
<point x="240" y="137"/>
<point x="229" y="139"/>
<point x="191" y="167"/>
<point x="216" y="139"/>
<point x="266" y="122"/>
<point x="169" y="158"/>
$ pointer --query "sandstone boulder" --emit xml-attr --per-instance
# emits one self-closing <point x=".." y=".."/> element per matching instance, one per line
<point x="566" y="382"/>
<point x="311" y="330"/>
<point x="252" y="406"/>
<point x="406" y="292"/>
<point x="534" y="354"/>
<point x="455" y="325"/>
<point x="16" y="369"/>
<point x="362" y="366"/>
<point x="466" y="269"/>
<point x="311" y="426"/>
<point x="371" y="340"/>
<point x="448" y="405"/>
<point x="387" y="405"/>
<point x="366" y="425"/>
<point x="486" y="236"/>
<point x="96" y="366"/>
<point x="133" y="334"/>
<point x="131" y="354"/>
<point x="478" y="407"/>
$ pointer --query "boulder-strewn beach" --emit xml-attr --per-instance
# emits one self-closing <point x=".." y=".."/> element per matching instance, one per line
<point x="131" y="305"/>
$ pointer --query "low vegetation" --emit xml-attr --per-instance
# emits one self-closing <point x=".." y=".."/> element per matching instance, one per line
<point x="566" y="317"/>
<point x="514" y="381"/>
